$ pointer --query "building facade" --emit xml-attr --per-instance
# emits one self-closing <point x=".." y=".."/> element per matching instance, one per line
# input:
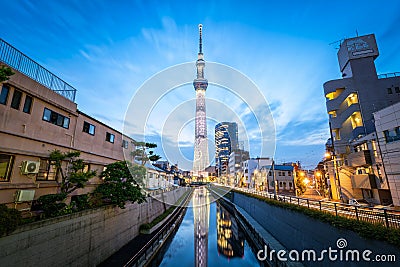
<point x="226" y="140"/>
<point x="387" y="123"/>
<point x="351" y="102"/>
<point x="251" y="169"/>
<point x="38" y="115"/>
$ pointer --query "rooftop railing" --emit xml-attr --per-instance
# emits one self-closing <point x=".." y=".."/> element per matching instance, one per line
<point x="389" y="75"/>
<point x="14" y="58"/>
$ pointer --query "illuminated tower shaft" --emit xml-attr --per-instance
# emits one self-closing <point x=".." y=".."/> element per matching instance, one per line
<point x="201" y="216"/>
<point x="200" y="161"/>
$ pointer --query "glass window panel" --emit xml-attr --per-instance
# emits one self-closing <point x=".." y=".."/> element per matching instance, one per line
<point x="5" y="167"/>
<point x="46" y="114"/>
<point x="91" y="129"/>
<point x="66" y="123"/>
<point x="16" y="99"/>
<point x="60" y="120"/>
<point x="4" y="94"/>
<point x="27" y="104"/>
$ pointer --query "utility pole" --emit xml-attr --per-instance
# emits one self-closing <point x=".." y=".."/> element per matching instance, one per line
<point x="335" y="168"/>
<point x="273" y="177"/>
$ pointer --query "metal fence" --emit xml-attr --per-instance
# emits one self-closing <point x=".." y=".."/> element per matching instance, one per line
<point x="389" y="75"/>
<point x="14" y="58"/>
<point x="366" y="214"/>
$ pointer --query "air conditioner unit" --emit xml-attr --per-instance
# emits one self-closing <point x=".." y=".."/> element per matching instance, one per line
<point x="24" y="195"/>
<point x="28" y="167"/>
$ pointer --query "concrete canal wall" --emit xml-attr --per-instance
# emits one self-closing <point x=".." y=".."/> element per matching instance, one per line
<point x="296" y="231"/>
<point x="81" y="239"/>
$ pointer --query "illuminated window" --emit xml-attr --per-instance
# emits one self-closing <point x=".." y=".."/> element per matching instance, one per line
<point x="336" y="134"/>
<point x="6" y="162"/>
<point x="47" y="172"/>
<point x="356" y="120"/>
<point x="352" y="99"/>
<point x="332" y="114"/>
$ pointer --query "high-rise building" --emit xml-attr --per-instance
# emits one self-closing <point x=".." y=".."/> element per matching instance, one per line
<point x="200" y="160"/>
<point x="226" y="140"/>
<point x="351" y="102"/>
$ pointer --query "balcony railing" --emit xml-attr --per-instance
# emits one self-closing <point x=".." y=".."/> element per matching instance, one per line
<point x="389" y="75"/>
<point x="14" y="58"/>
<point x="360" y="158"/>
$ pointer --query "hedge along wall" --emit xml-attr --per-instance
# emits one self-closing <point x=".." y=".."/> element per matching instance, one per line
<point x="84" y="238"/>
<point x="297" y="231"/>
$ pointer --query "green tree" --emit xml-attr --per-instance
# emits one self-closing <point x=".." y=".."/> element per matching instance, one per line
<point x="74" y="177"/>
<point x="5" y="73"/>
<point x="144" y="152"/>
<point x="121" y="182"/>
<point x="301" y="186"/>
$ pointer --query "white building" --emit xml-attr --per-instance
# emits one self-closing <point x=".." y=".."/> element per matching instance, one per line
<point x="387" y="123"/>
<point x="251" y="167"/>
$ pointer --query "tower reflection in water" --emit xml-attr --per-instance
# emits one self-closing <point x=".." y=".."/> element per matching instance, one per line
<point x="201" y="214"/>
<point x="230" y="240"/>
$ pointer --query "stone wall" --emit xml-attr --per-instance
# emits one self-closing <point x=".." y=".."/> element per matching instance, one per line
<point x="81" y="239"/>
<point x="296" y="231"/>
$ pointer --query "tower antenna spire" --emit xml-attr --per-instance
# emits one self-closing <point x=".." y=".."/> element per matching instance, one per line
<point x="200" y="39"/>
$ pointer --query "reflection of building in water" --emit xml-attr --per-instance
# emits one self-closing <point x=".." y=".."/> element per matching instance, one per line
<point x="230" y="241"/>
<point x="201" y="211"/>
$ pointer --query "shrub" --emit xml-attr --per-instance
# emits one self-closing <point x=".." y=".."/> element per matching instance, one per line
<point x="80" y="202"/>
<point x="9" y="219"/>
<point x="53" y="205"/>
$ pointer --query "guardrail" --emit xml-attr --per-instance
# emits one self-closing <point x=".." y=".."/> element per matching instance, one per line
<point x="152" y="246"/>
<point x="14" y="58"/>
<point x="373" y="215"/>
<point x="389" y="75"/>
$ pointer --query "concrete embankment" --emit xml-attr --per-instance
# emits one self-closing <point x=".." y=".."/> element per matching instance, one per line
<point x="296" y="231"/>
<point x="81" y="239"/>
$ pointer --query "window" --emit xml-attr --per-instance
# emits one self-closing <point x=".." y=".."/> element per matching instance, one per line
<point x="290" y="184"/>
<point x="6" y="163"/>
<point x="289" y="173"/>
<point x="27" y="104"/>
<point x="16" y="99"/>
<point x="124" y="144"/>
<point x="392" y="135"/>
<point x="397" y="89"/>
<point x="47" y="172"/>
<point x="389" y="91"/>
<point x="88" y="128"/>
<point x="55" y="118"/>
<point x="110" y="137"/>
<point x="4" y="94"/>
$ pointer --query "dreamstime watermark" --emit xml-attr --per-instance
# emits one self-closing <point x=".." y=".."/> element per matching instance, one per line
<point x="338" y="253"/>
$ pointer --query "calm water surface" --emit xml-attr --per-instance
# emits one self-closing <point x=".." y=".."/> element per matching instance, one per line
<point x="217" y="241"/>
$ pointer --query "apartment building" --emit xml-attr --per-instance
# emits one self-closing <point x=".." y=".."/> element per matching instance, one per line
<point x="351" y="102"/>
<point x="38" y="114"/>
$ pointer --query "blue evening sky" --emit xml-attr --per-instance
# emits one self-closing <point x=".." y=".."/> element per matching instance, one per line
<point x="108" y="49"/>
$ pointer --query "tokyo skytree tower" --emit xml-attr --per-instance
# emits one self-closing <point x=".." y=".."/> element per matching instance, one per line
<point x="200" y="160"/>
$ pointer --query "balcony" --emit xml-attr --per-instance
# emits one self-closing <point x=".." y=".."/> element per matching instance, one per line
<point x="360" y="158"/>
<point x="364" y="181"/>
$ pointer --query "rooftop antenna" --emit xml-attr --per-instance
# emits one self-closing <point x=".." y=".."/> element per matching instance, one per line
<point x="340" y="41"/>
<point x="200" y="40"/>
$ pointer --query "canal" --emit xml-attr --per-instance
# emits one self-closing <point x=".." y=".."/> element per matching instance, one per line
<point x="209" y="235"/>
